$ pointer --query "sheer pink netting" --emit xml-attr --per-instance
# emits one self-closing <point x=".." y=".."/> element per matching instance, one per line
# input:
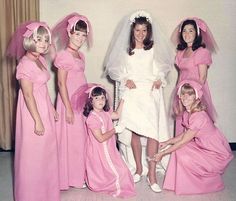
<point x="15" y="47"/>
<point x="81" y="95"/>
<point x="60" y="30"/>
<point x="207" y="36"/>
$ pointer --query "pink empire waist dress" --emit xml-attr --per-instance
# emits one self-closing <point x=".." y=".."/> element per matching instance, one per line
<point x="198" y="166"/>
<point x="36" y="157"/>
<point x="71" y="137"/>
<point x="189" y="69"/>
<point x="106" y="171"/>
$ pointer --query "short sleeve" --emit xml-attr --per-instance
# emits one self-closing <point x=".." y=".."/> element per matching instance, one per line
<point x="63" y="61"/>
<point x="24" y="71"/>
<point x="197" y="121"/>
<point x="93" y="122"/>
<point x="177" y="58"/>
<point x="82" y="56"/>
<point x="202" y="56"/>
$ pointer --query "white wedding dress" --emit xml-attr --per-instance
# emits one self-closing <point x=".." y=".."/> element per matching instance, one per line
<point x="144" y="109"/>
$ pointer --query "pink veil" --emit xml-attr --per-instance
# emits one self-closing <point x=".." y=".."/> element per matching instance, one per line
<point x="60" y="30"/>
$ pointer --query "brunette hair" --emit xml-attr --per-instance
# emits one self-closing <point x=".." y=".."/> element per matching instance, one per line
<point x="148" y="42"/>
<point x="80" y="26"/>
<point x="97" y="91"/>
<point x="198" y="38"/>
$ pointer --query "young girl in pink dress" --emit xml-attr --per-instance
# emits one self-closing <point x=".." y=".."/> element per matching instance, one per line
<point x="195" y="44"/>
<point x="36" y="175"/>
<point x="200" y="155"/>
<point x="70" y="34"/>
<point x="106" y="170"/>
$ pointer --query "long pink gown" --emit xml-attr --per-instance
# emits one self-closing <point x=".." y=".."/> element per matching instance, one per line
<point x="189" y="69"/>
<point x="36" y="157"/>
<point x="106" y="170"/>
<point x="71" y="137"/>
<point x="198" y="166"/>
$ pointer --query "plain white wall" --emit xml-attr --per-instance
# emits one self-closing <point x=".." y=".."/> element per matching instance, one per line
<point x="104" y="15"/>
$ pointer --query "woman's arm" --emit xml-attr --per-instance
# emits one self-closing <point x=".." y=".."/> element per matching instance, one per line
<point x="27" y="89"/>
<point x="102" y="137"/>
<point x="203" y="68"/>
<point x="62" y="77"/>
<point x="185" y="138"/>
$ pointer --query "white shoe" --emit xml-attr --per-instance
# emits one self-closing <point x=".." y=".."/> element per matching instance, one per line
<point x="137" y="178"/>
<point x="155" y="187"/>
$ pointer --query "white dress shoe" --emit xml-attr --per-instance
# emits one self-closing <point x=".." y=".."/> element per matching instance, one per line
<point x="137" y="178"/>
<point x="155" y="187"/>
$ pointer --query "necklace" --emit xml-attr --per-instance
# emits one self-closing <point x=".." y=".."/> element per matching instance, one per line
<point x="74" y="52"/>
<point x="73" y="49"/>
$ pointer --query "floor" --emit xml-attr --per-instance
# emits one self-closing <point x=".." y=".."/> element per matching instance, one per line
<point x="143" y="191"/>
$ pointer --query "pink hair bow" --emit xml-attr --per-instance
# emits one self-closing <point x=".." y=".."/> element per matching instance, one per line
<point x="72" y="22"/>
<point x="89" y="90"/>
<point x="194" y="84"/>
<point x="33" y="27"/>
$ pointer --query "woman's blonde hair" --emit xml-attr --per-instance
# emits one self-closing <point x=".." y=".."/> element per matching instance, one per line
<point x="197" y="106"/>
<point x="30" y="43"/>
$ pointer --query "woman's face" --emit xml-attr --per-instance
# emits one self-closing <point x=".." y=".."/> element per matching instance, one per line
<point x="99" y="102"/>
<point x="42" y="43"/>
<point x="187" y="100"/>
<point x="77" y="39"/>
<point x="140" y="33"/>
<point x="189" y="34"/>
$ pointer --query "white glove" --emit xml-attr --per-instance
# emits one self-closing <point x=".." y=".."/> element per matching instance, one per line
<point x="119" y="128"/>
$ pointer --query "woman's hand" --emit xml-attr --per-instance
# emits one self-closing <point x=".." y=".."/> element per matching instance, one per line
<point x="39" y="128"/>
<point x="156" y="84"/>
<point x="158" y="156"/>
<point x="130" y="84"/>
<point x="69" y="116"/>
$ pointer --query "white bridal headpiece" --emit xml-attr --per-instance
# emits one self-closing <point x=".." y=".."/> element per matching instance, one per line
<point x="140" y="13"/>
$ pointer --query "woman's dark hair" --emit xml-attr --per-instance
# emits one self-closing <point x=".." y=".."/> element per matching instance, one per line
<point x="197" y="41"/>
<point x="97" y="91"/>
<point x="148" y="42"/>
<point x="80" y="26"/>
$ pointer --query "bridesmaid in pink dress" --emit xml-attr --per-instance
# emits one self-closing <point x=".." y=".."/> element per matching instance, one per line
<point x="200" y="155"/>
<point x="106" y="171"/>
<point x="71" y="33"/>
<point x="195" y="44"/>
<point x="36" y="175"/>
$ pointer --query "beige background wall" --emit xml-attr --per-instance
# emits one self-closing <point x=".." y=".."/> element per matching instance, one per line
<point x="105" y="14"/>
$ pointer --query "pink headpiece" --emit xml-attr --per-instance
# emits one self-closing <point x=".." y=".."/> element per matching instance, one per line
<point x="194" y="84"/>
<point x="15" y="47"/>
<point x="81" y="95"/>
<point x="62" y="29"/>
<point x="207" y="36"/>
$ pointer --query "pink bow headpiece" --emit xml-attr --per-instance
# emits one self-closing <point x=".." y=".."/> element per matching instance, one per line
<point x="89" y="90"/>
<point x="200" y="24"/>
<point x="33" y="27"/>
<point x="194" y="84"/>
<point x="72" y="22"/>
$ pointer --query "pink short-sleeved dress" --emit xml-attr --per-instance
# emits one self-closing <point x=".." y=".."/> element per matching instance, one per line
<point x="198" y="166"/>
<point x="106" y="170"/>
<point x="71" y="137"/>
<point x="36" y="157"/>
<point x="189" y="69"/>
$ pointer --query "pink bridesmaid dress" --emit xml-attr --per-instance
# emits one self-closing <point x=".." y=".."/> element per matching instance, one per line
<point x="71" y="137"/>
<point x="198" y="166"/>
<point x="106" y="170"/>
<point x="188" y="69"/>
<point x="36" y="157"/>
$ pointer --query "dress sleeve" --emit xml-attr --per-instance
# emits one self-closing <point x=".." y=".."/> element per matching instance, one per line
<point x="202" y="56"/>
<point x="24" y="71"/>
<point x="197" y="120"/>
<point x="93" y="122"/>
<point x="177" y="58"/>
<point x="64" y="61"/>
